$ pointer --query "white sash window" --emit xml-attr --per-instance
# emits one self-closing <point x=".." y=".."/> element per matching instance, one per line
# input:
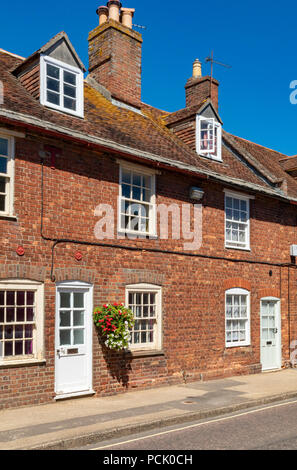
<point x="237" y="317"/>
<point x="21" y="321"/>
<point x="145" y="302"/>
<point x="137" y="211"/>
<point x="237" y="221"/>
<point x="6" y="174"/>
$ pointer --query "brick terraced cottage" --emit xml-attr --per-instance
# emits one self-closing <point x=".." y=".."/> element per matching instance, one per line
<point x="106" y="199"/>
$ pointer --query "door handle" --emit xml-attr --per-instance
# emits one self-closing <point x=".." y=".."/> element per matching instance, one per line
<point x="275" y="330"/>
<point x="60" y="351"/>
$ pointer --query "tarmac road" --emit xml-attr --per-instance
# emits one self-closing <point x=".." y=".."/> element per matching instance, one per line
<point x="271" y="427"/>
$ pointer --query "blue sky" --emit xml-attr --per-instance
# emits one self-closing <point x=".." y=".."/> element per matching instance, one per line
<point x="257" y="38"/>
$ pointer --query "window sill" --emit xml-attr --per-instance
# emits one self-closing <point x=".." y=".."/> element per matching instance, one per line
<point x="237" y="248"/>
<point x="63" y="110"/>
<point x="238" y="347"/>
<point x="144" y="353"/>
<point x="136" y="236"/>
<point x="209" y="157"/>
<point x="11" y="218"/>
<point x="22" y="363"/>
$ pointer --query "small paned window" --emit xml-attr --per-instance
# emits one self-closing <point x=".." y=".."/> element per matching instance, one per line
<point x="237" y="222"/>
<point x="237" y="317"/>
<point x="208" y="138"/>
<point x="61" y="86"/>
<point x="145" y="303"/>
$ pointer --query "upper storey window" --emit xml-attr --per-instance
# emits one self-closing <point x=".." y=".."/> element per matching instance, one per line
<point x="6" y="175"/>
<point x="208" y="138"/>
<point x="137" y="202"/>
<point x="61" y="86"/>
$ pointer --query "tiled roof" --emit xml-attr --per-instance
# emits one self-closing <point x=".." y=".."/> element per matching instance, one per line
<point x="289" y="163"/>
<point x="148" y="134"/>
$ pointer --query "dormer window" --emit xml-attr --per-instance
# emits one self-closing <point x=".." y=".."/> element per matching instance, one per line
<point x="208" y="137"/>
<point x="61" y="86"/>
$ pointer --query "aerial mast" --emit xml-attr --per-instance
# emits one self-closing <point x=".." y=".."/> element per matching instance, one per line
<point x="212" y="61"/>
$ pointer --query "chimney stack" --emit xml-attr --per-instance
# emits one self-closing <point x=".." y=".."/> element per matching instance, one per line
<point x="115" y="51"/>
<point x="200" y="88"/>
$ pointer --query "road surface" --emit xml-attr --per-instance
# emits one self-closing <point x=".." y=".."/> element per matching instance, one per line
<point x="270" y="427"/>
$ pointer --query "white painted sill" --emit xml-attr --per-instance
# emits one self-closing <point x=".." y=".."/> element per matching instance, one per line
<point x="5" y="216"/>
<point x="22" y="363"/>
<point x="144" y="352"/>
<point x="136" y="235"/>
<point x="232" y="346"/>
<point x="218" y="160"/>
<point x="247" y="248"/>
<point x="61" y="110"/>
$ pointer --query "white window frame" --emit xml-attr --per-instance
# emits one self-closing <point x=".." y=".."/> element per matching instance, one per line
<point x="215" y="128"/>
<point x="38" y="332"/>
<point x="143" y="171"/>
<point x="44" y="60"/>
<point x="9" y="176"/>
<point x="238" y="245"/>
<point x="152" y="289"/>
<point x="247" y="319"/>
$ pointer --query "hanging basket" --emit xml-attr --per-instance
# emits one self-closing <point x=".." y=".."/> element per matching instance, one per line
<point x="114" y="322"/>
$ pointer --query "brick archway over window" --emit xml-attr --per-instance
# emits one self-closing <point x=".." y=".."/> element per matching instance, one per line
<point x="237" y="282"/>
<point x="269" y="292"/>
<point x="75" y="273"/>
<point x="22" y="271"/>
<point x="138" y="276"/>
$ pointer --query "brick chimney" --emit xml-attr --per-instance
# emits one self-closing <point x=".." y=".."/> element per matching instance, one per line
<point x="115" y="53"/>
<point x="200" y="88"/>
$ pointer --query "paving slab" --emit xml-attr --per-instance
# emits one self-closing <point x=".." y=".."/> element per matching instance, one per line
<point x="77" y="422"/>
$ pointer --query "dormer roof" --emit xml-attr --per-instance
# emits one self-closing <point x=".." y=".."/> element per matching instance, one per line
<point x="59" y="47"/>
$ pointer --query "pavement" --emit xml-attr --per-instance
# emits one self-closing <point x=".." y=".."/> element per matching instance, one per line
<point x="75" y="423"/>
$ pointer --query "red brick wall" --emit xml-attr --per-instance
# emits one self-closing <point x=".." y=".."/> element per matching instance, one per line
<point x="193" y="288"/>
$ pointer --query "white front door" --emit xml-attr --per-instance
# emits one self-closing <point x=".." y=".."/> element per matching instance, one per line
<point x="73" y="343"/>
<point x="270" y="334"/>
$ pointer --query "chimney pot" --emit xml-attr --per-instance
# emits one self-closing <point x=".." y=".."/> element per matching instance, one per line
<point x="127" y="16"/>
<point x="197" y="69"/>
<point x="103" y="14"/>
<point x="114" y="7"/>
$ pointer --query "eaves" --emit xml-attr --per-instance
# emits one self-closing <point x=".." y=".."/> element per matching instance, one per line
<point x="32" y="123"/>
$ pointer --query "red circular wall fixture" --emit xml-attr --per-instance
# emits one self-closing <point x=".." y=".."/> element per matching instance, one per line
<point x="20" y="251"/>
<point x="78" y="256"/>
